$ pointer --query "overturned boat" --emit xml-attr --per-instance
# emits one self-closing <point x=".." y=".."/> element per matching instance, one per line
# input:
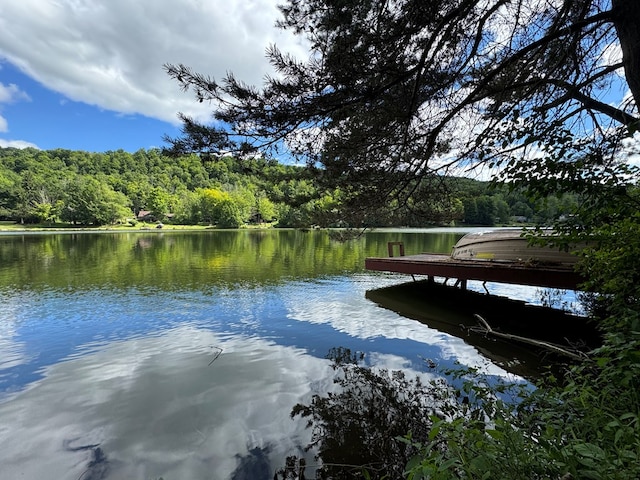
<point x="510" y="245"/>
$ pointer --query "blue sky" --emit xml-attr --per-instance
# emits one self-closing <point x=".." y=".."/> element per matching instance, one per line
<point x="49" y="120"/>
<point x="88" y="74"/>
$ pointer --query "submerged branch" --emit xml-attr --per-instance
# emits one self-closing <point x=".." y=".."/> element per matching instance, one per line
<point x="487" y="330"/>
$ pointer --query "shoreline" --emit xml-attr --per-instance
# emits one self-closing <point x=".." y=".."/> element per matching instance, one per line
<point x="42" y="230"/>
<point x="21" y="229"/>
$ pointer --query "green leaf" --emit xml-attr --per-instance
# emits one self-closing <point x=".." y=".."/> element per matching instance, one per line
<point x="589" y="450"/>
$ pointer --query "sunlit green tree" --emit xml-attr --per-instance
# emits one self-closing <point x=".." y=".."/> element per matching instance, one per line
<point x="90" y="202"/>
<point x="265" y="209"/>
<point x="157" y="202"/>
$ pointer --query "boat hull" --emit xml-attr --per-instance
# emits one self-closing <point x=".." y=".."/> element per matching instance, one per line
<point x="508" y="246"/>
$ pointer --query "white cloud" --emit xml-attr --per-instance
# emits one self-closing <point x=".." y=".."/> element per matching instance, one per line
<point x="11" y="93"/>
<point x="111" y="54"/>
<point x="14" y="143"/>
<point x="631" y="150"/>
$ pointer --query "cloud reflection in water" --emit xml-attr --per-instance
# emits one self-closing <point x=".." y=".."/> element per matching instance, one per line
<point x="156" y="408"/>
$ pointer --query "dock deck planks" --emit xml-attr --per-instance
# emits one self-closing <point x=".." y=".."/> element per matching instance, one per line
<point x="438" y="265"/>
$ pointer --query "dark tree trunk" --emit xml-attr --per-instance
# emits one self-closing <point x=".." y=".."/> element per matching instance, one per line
<point x="626" y="19"/>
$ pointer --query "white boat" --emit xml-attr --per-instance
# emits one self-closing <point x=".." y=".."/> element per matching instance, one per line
<point x="509" y="246"/>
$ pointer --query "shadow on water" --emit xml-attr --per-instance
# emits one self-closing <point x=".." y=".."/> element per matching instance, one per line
<point x="254" y="465"/>
<point x="98" y="466"/>
<point x="452" y="310"/>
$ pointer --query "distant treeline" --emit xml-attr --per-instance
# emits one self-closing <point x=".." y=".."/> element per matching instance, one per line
<point x="52" y="186"/>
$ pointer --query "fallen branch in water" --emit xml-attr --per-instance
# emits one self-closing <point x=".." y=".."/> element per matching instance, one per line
<point x="486" y="329"/>
<point x="216" y="355"/>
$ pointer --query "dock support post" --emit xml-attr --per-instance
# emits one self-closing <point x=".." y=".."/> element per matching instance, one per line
<point x="390" y="246"/>
<point x="460" y="283"/>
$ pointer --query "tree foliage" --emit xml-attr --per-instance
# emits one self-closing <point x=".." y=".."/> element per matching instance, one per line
<point x="43" y="187"/>
<point x="467" y="425"/>
<point x="395" y="93"/>
<point x="90" y="202"/>
<point x="74" y="186"/>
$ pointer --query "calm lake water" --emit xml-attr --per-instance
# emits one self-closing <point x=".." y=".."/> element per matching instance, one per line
<point x="180" y="355"/>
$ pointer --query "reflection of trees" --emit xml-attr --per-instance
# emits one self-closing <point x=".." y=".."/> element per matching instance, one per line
<point x="358" y="428"/>
<point x="179" y="259"/>
<point x="253" y="465"/>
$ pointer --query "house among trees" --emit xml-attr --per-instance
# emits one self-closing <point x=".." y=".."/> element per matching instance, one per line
<point x="145" y="216"/>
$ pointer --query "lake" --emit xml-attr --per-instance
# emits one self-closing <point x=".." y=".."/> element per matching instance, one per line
<point x="180" y="355"/>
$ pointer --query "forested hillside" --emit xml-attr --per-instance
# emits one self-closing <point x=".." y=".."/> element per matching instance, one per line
<point x="85" y="188"/>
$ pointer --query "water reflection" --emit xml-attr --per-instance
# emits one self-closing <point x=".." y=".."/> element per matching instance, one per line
<point x="374" y="330"/>
<point x="138" y="384"/>
<point x="177" y="259"/>
<point x="453" y="311"/>
<point x="157" y="406"/>
<point x="106" y="340"/>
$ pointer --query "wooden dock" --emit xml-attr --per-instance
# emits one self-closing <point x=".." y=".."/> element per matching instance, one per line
<point x="438" y="265"/>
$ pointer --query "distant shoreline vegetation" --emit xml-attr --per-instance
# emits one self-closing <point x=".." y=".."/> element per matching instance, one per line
<point x="75" y="189"/>
<point x="12" y="227"/>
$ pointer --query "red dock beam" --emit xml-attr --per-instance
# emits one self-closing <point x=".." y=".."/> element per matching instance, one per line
<point x="437" y="265"/>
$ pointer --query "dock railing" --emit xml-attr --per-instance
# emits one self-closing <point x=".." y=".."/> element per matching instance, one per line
<point x="400" y="246"/>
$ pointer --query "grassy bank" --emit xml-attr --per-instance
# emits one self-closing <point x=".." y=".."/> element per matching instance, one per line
<point x="141" y="226"/>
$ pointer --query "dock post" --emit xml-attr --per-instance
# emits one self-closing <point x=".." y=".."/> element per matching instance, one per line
<point x="390" y="246"/>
